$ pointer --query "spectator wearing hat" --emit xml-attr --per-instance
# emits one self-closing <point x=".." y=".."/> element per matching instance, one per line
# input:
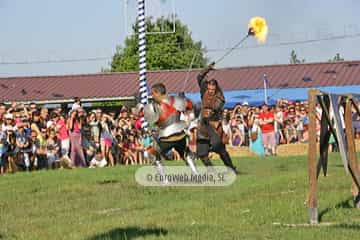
<point x="9" y="124"/>
<point x="76" y="104"/>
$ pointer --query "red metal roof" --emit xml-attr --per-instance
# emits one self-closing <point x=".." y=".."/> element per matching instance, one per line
<point x="104" y="85"/>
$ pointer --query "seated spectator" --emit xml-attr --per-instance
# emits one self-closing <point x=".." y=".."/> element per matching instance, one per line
<point x="98" y="160"/>
<point x="290" y="132"/>
<point x="305" y="136"/>
<point x="88" y="144"/>
<point x="125" y="149"/>
<point x="237" y="138"/>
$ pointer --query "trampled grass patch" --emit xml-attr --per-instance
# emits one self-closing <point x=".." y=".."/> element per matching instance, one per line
<point x="265" y="202"/>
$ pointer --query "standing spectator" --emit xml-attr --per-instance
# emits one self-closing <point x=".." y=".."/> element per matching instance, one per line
<point x="52" y="147"/>
<point x="106" y="138"/>
<point x="256" y="145"/>
<point x="278" y="125"/>
<point x="94" y="123"/>
<point x="36" y="124"/>
<point x="241" y="127"/>
<point x="124" y="113"/>
<point x="22" y="147"/>
<point x="267" y="121"/>
<point x="44" y="116"/>
<point x="139" y="139"/>
<point x="76" y="104"/>
<point x="74" y="126"/>
<point x="34" y="144"/>
<point x="41" y="149"/>
<point x="2" y="149"/>
<point x="147" y="145"/>
<point x="63" y="135"/>
<point x="245" y="120"/>
<point x="10" y="150"/>
<point x="226" y="128"/>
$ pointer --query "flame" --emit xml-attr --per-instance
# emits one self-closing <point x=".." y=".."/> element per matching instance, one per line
<point x="258" y="28"/>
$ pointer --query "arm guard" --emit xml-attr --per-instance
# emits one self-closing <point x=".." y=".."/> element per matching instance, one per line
<point x="182" y="104"/>
<point x="151" y="114"/>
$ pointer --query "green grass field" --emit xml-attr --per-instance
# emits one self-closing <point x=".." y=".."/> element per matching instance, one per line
<point x="107" y="203"/>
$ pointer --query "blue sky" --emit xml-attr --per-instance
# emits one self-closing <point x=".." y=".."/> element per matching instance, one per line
<point x="41" y="30"/>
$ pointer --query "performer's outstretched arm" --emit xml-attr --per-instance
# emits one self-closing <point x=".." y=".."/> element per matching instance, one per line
<point x="201" y="78"/>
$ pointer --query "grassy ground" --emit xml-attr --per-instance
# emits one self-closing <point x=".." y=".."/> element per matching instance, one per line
<point x="107" y="203"/>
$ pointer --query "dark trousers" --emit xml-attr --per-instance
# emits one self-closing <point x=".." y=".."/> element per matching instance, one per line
<point x="42" y="162"/>
<point x="204" y="146"/>
<point x="179" y="146"/>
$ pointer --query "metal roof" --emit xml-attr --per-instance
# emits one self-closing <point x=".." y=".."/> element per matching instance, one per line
<point x="120" y="85"/>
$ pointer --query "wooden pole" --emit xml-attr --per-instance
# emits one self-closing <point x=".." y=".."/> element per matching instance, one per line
<point x="312" y="201"/>
<point x="353" y="165"/>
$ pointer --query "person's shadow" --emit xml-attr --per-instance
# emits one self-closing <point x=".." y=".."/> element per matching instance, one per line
<point x="129" y="233"/>
<point x="346" y="204"/>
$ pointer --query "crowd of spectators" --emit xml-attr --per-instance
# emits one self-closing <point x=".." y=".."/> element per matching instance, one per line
<point x="34" y="137"/>
<point x="284" y="123"/>
<point x="262" y="128"/>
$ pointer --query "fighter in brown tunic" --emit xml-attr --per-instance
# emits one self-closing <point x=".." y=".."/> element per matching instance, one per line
<point x="211" y="135"/>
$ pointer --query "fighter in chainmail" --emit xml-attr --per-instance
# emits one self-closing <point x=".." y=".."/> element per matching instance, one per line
<point x="210" y="134"/>
<point x="164" y="112"/>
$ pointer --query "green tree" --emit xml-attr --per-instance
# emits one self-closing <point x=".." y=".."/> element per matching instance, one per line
<point x="294" y="58"/>
<point x="336" y="58"/>
<point x="164" y="51"/>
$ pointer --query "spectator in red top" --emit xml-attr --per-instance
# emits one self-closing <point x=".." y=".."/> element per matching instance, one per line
<point x="267" y="124"/>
